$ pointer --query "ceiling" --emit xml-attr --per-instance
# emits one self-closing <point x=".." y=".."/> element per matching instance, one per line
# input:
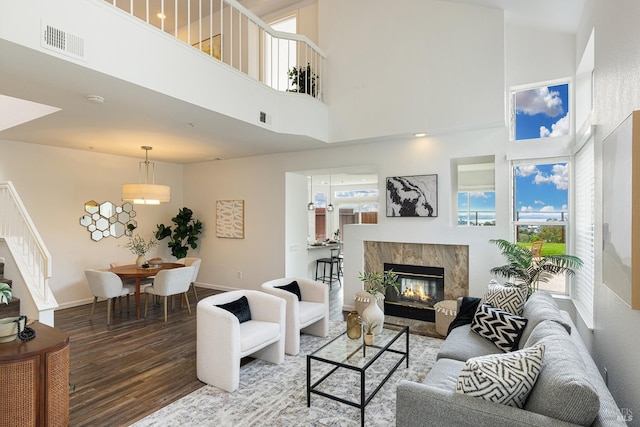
<point x="179" y="132"/>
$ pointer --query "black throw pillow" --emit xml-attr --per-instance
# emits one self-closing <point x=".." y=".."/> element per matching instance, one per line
<point x="292" y="287"/>
<point x="465" y="315"/>
<point x="239" y="308"/>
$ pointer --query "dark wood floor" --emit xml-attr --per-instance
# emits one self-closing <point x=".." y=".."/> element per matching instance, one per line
<point x="131" y="368"/>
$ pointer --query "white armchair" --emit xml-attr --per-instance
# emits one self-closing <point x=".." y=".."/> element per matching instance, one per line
<point x="222" y="340"/>
<point x="309" y="315"/>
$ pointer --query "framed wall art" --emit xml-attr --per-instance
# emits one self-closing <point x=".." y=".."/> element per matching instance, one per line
<point x="230" y="219"/>
<point x="412" y="196"/>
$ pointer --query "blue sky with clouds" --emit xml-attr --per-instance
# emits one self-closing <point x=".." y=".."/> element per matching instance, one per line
<point x="542" y="190"/>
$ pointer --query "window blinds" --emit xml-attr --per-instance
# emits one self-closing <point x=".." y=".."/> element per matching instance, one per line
<point x="584" y="226"/>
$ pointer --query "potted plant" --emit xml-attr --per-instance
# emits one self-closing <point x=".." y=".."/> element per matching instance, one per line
<point x="6" y="293"/>
<point x="369" y="332"/>
<point x="303" y="80"/>
<point x="184" y="235"/>
<point x="137" y="245"/>
<point x="523" y="267"/>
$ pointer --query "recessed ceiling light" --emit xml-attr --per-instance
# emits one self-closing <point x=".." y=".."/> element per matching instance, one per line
<point x="419" y="134"/>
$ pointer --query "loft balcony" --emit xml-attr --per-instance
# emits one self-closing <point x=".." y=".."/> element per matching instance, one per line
<point x="211" y="70"/>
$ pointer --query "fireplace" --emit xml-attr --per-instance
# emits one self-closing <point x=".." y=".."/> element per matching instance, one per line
<point x="419" y="289"/>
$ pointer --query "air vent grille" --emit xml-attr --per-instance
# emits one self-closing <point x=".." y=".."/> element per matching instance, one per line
<point x="61" y="41"/>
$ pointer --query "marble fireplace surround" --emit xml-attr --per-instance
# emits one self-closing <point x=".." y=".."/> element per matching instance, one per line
<point x="453" y="258"/>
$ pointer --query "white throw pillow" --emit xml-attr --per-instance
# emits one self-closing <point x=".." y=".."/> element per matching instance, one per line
<point x="502" y="378"/>
<point x="507" y="298"/>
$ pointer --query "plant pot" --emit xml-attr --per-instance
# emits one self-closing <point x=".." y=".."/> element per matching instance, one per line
<point x="140" y="261"/>
<point x="8" y="329"/>
<point x="368" y="338"/>
<point x="373" y="314"/>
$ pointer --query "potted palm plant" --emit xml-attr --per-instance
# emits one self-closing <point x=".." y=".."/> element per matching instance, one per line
<point x="8" y="326"/>
<point x="6" y="293"/>
<point x="523" y="267"/>
<point x="369" y="332"/>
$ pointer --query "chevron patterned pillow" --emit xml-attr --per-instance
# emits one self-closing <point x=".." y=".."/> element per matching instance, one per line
<point x="507" y="298"/>
<point x="502" y="328"/>
<point x="502" y="378"/>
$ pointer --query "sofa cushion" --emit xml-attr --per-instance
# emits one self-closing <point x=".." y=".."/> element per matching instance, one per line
<point x="507" y="298"/>
<point x="500" y="327"/>
<point x="292" y="287"/>
<point x="462" y="344"/>
<point x="444" y="374"/>
<point x="239" y="308"/>
<point x="563" y="389"/>
<point x="502" y="378"/>
<point x="540" y="307"/>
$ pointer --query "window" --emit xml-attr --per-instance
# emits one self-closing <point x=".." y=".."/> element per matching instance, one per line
<point x="476" y="197"/>
<point x="541" y="210"/>
<point x="540" y="112"/>
<point x="280" y="55"/>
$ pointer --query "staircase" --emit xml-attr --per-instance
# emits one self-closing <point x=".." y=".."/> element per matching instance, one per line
<point x="13" y="308"/>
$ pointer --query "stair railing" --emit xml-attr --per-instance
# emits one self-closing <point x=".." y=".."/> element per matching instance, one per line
<point x="27" y="247"/>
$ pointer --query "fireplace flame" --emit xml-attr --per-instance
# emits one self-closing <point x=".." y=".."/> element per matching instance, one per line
<point x="417" y="294"/>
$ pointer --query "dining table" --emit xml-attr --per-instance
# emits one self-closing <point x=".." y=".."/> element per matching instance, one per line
<point x="132" y="271"/>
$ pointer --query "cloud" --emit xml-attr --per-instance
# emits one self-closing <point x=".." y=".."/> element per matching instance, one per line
<point x="559" y="177"/>
<point x="539" y="202"/>
<point x="479" y="194"/>
<point x="547" y="208"/>
<point x="540" y="100"/>
<point x="526" y="170"/>
<point x="527" y="209"/>
<point x="559" y="128"/>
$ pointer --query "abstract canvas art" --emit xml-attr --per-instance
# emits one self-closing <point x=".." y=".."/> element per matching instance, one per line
<point x="230" y="219"/>
<point x="412" y="196"/>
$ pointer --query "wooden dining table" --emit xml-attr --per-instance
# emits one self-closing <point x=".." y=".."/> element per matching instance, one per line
<point x="132" y="271"/>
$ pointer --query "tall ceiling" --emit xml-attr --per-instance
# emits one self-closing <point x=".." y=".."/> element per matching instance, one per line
<point x="163" y="122"/>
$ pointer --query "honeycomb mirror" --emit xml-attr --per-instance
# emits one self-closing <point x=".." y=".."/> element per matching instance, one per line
<point x="107" y="219"/>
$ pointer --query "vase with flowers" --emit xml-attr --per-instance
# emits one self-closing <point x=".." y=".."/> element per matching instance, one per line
<point x="376" y="285"/>
<point x="138" y="246"/>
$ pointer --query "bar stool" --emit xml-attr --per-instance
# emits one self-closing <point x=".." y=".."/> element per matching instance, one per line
<point x="334" y="270"/>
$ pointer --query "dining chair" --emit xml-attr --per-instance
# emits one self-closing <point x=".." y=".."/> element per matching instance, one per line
<point x="143" y="282"/>
<point x="104" y="284"/>
<point x="175" y="281"/>
<point x="195" y="263"/>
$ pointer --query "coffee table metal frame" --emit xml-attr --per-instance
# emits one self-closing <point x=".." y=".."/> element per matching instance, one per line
<point x="379" y="349"/>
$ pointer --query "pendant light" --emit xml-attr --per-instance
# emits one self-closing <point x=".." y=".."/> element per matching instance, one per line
<point x="330" y="207"/>
<point x="146" y="193"/>
<point x="310" y="205"/>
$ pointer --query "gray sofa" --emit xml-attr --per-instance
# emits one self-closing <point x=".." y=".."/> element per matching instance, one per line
<point x="569" y="390"/>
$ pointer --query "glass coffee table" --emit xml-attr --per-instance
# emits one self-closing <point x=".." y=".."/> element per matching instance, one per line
<point x="346" y="353"/>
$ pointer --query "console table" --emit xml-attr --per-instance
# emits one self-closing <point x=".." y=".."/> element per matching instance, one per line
<point x="34" y="379"/>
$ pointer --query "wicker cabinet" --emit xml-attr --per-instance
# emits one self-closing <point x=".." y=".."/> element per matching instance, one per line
<point x="34" y="379"/>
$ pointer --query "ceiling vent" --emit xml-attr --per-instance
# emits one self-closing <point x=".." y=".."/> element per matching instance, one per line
<point x="265" y="118"/>
<point x="60" y="41"/>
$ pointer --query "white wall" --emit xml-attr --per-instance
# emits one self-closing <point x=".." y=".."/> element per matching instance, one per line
<point x="616" y="337"/>
<point x="54" y="184"/>
<point x="415" y="65"/>
<point x="259" y="181"/>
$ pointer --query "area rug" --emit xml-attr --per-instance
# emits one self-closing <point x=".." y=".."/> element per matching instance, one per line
<point x="275" y="395"/>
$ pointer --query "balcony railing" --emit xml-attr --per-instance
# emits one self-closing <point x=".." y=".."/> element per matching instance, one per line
<point x="228" y="32"/>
